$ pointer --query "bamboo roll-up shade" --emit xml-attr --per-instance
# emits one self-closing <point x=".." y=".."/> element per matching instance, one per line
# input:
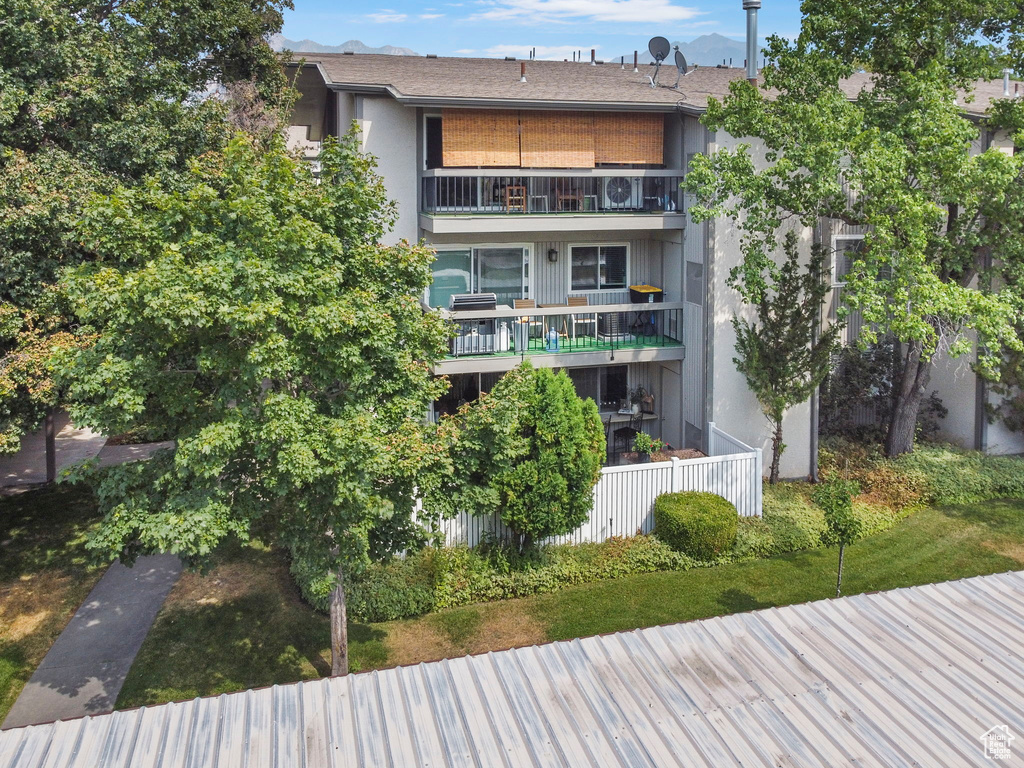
<point x="487" y="137"/>
<point x="557" y="139"/>
<point x="623" y="138"/>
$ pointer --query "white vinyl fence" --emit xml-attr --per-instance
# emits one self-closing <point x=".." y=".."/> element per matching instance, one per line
<point x="624" y="496"/>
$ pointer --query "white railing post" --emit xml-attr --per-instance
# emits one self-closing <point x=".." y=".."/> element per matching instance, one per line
<point x="758" y="482"/>
<point x="677" y="471"/>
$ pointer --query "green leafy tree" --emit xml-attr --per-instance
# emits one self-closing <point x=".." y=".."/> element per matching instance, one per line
<point x="530" y="450"/>
<point x="253" y="314"/>
<point x="892" y="152"/>
<point x="842" y="525"/>
<point x="94" y="94"/>
<point x="783" y="355"/>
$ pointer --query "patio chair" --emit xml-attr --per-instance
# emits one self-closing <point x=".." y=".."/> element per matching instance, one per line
<point x="515" y="198"/>
<point x="535" y="322"/>
<point x="626" y="434"/>
<point x="587" y="321"/>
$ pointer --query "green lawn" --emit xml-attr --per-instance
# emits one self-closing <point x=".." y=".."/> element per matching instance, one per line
<point x="44" y="576"/>
<point x="243" y="625"/>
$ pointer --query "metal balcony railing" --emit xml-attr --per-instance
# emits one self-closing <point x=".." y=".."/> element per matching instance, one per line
<point x="566" y="330"/>
<point x="527" y="193"/>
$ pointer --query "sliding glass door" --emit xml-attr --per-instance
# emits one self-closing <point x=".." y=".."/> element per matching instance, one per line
<point x="503" y="271"/>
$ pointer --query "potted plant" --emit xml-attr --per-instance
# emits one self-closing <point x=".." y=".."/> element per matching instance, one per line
<point x="645" y="445"/>
<point x="641" y="400"/>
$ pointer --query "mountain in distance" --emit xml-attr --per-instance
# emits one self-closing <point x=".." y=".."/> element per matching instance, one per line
<point x="706" y="50"/>
<point x="279" y="42"/>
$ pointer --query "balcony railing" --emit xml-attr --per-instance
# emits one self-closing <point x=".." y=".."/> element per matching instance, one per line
<point x="566" y="330"/>
<point x="526" y="192"/>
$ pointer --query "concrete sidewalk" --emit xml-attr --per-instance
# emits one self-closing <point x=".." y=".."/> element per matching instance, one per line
<point x="28" y="466"/>
<point x="87" y="665"/>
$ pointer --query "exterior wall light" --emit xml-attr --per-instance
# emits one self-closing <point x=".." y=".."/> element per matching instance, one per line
<point x="552" y="255"/>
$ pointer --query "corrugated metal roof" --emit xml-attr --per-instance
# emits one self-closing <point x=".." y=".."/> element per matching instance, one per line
<point x="903" y="678"/>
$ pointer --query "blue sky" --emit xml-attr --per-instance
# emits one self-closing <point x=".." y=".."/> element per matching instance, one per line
<point x="512" y="27"/>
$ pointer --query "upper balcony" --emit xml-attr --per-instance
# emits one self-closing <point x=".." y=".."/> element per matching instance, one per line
<point x="458" y="200"/>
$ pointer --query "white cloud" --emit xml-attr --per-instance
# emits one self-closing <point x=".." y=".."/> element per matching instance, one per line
<point x="547" y="52"/>
<point x="387" y="16"/>
<point x="553" y="11"/>
<point x="431" y="15"/>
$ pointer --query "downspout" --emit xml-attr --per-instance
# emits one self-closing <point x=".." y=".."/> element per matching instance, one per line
<point x="816" y="395"/>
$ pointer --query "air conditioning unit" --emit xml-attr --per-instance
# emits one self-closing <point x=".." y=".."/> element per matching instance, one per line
<point x="623" y="192"/>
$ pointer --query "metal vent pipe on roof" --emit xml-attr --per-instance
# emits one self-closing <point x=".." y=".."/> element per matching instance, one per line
<point x="1006" y="81"/>
<point x="751" y="7"/>
<point x="593" y="56"/>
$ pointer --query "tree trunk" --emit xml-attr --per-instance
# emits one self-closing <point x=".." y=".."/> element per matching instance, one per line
<point x="50" y="435"/>
<point x="907" y="403"/>
<point x="777" y="448"/>
<point x="339" y="628"/>
<point x="839" y="580"/>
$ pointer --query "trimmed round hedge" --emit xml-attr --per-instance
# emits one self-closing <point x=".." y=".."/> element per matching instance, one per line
<point x="701" y="525"/>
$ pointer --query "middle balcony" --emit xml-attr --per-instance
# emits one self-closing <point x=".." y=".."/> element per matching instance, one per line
<point x="489" y="337"/>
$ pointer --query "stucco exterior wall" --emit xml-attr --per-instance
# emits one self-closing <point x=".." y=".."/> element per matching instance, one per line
<point x="389" y="134"/>
<point x="733" y="406"/>
<point x="956" y="385"/>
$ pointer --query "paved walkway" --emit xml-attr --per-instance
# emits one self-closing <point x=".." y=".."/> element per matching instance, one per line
<point x="28" y="466"/>
<point x="87" y="665"/>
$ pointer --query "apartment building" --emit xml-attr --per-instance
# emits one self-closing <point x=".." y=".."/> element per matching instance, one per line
<point x="551" y="193"/>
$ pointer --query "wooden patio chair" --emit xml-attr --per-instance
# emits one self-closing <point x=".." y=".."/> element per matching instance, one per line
<point x="515" y="198"/>
<point x="568" y="197"/>
<point x="534" y="322"/>
<point x="588" y="321"/>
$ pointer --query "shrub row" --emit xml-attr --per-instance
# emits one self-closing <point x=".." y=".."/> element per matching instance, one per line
<point x="447" y="577"/>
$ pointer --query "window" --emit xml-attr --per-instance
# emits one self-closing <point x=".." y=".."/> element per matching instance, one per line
<point x="695" y="282"/>
<point x="606" y="386"/>
<point x="501" y="270"/>
<point x="845" y="250"/>
<point x="599" y="267"/>
<point x="434" y="151"/>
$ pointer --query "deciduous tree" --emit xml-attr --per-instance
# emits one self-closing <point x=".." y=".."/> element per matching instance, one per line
<point x="252" y="313"/>
<point x="890" y="151"/>
<point x="94" y="94"/>
<point x="842" y="525"/>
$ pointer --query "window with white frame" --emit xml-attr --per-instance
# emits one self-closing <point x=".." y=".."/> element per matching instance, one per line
<point x="846" y="249"/>
<point x="598" y="267"/>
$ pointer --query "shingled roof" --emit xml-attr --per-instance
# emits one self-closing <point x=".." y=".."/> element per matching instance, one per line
<point x="491" y="82"/>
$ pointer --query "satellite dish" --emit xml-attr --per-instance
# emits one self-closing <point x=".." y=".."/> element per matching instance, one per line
<point x="681" y="66"/>
<point x="659" y="48"/>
